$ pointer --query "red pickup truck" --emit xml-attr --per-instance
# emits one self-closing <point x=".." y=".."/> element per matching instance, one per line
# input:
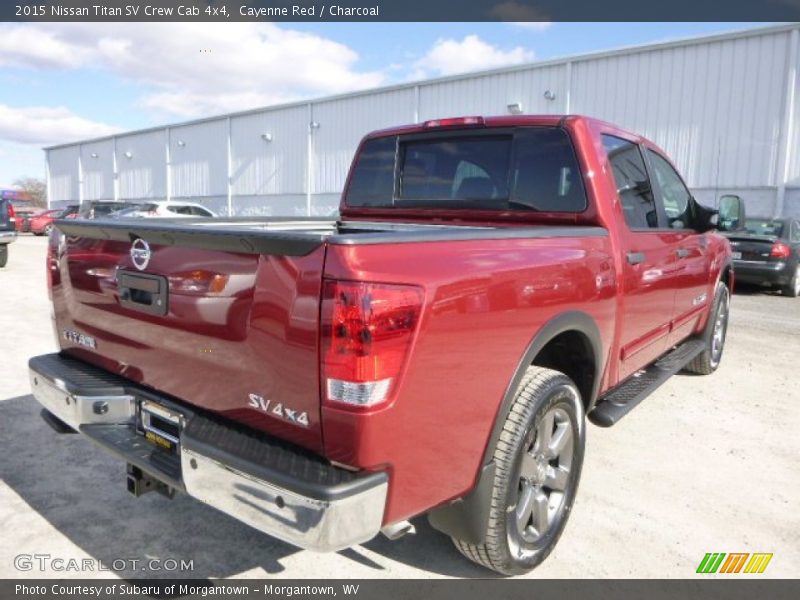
<point x="491" y="283"/>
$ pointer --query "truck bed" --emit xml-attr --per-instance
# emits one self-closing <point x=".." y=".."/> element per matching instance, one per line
<point x="225" y="314"/>
<point x="297" y="237"/>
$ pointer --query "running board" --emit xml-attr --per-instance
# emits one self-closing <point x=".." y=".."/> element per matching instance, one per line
<point x="623" y="399"/>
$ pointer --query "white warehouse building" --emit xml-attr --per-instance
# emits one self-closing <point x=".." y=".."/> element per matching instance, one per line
<point x="724" y="107"/>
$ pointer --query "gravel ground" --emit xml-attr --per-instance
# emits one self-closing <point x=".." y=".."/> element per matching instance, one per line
<point x="706" y="464"/>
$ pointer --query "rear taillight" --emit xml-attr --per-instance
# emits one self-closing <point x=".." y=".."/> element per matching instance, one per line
<point x="12" y="215"/>
<point x="780" y="250"/>
<point x="197" y="283"/>
<point x="367" y="329"/>
<point x="53" y="242"/>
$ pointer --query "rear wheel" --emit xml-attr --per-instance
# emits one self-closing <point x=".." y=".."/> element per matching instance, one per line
<point x="538" y="462"/>
<point x="792" y="289"/>
<point x="716" y="331"/>
<point x="3" y="255"/>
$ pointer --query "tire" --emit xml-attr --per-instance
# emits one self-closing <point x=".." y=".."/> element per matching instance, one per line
<point x="792" y="289"/>
<point x="3" y="255"/>
<point x="714" y="335"/>
<point x="546" y="400"/>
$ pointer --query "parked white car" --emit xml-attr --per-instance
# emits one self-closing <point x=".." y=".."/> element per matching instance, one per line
<point x="170" y="210"/>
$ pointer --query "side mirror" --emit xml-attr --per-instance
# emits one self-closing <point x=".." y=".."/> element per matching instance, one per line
<point x="731" y="213"/>
<point x="705" y="218"/>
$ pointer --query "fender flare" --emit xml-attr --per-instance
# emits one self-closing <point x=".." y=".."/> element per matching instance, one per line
<point x="467" y="517"/>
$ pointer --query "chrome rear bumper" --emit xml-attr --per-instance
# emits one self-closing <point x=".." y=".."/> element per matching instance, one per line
<point x="345" y="510"/>
<point x="6" y="237"/>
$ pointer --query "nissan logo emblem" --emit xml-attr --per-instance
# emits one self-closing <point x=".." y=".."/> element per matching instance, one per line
<point x="140" y="254"/>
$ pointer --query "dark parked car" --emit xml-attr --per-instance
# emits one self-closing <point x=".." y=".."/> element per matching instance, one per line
<point x="8" y="231"/>
<point x="766" y="252"/>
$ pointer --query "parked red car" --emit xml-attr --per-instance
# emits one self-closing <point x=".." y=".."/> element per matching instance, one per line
<point x="490" y="284"/>
<point x="24" y="215"/>
<point x="42" y="223"/>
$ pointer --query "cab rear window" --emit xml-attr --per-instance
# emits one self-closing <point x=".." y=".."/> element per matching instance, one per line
<point x="533" y="169"/>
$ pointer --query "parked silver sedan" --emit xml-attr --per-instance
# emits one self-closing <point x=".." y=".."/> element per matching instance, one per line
<point x="164" y="209"/>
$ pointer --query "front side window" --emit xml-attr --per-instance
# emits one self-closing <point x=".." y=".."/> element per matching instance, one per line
<point x="675" y="195"/>
<point x="633" y="183"/>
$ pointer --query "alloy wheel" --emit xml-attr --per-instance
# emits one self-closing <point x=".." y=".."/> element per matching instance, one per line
<point x="544" y="475"/>
<point x="720" y="327"/>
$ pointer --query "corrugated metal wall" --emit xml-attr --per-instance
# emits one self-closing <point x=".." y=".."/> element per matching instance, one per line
<point x="715" y="108"/>
<point x="718" y="106"/>
<point x="342" y="124"/>
<point x="271" y="166"/>
<point x="199" y="159"/>
<point x="142" y="167"/>
<point x="491" y="94"/>
<point x="97" y="160"/>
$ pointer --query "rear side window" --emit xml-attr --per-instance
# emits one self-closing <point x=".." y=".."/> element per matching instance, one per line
<point x="528" y="169"/>
<point x="633" y="184"/>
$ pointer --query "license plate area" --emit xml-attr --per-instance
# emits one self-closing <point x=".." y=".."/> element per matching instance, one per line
<point x="143" y="292"/>
<point x="161" y="426"/>
<point x="736" y="255"/>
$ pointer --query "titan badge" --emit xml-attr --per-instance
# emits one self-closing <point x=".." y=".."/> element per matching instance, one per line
<point x="76" y="337"/>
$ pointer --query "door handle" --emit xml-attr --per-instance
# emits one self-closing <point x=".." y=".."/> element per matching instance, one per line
<point x="635" y="258"/>
<point x="683" y="252"/>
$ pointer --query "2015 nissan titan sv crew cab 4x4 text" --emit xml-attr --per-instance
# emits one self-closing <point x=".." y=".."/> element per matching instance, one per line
<point x="491" y="282"/>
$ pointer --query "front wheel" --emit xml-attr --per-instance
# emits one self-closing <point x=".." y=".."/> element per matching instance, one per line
<point x="538" y="463"/>
<point x="3" y="255"/>
<point x="714" y="336"/>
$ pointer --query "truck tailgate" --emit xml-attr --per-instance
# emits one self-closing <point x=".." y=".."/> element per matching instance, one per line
<point x="229" y="331"/>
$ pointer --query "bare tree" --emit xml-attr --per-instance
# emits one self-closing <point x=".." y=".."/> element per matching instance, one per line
<point x="35" y="188"/>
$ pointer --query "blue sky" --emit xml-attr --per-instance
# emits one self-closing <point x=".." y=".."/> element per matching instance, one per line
<point x="63" y="82"/>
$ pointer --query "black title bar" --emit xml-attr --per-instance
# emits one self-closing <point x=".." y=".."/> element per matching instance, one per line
<point x="399" y="10"/>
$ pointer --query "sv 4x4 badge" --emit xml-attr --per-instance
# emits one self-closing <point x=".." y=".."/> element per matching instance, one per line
<point x="278" y="410"/>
